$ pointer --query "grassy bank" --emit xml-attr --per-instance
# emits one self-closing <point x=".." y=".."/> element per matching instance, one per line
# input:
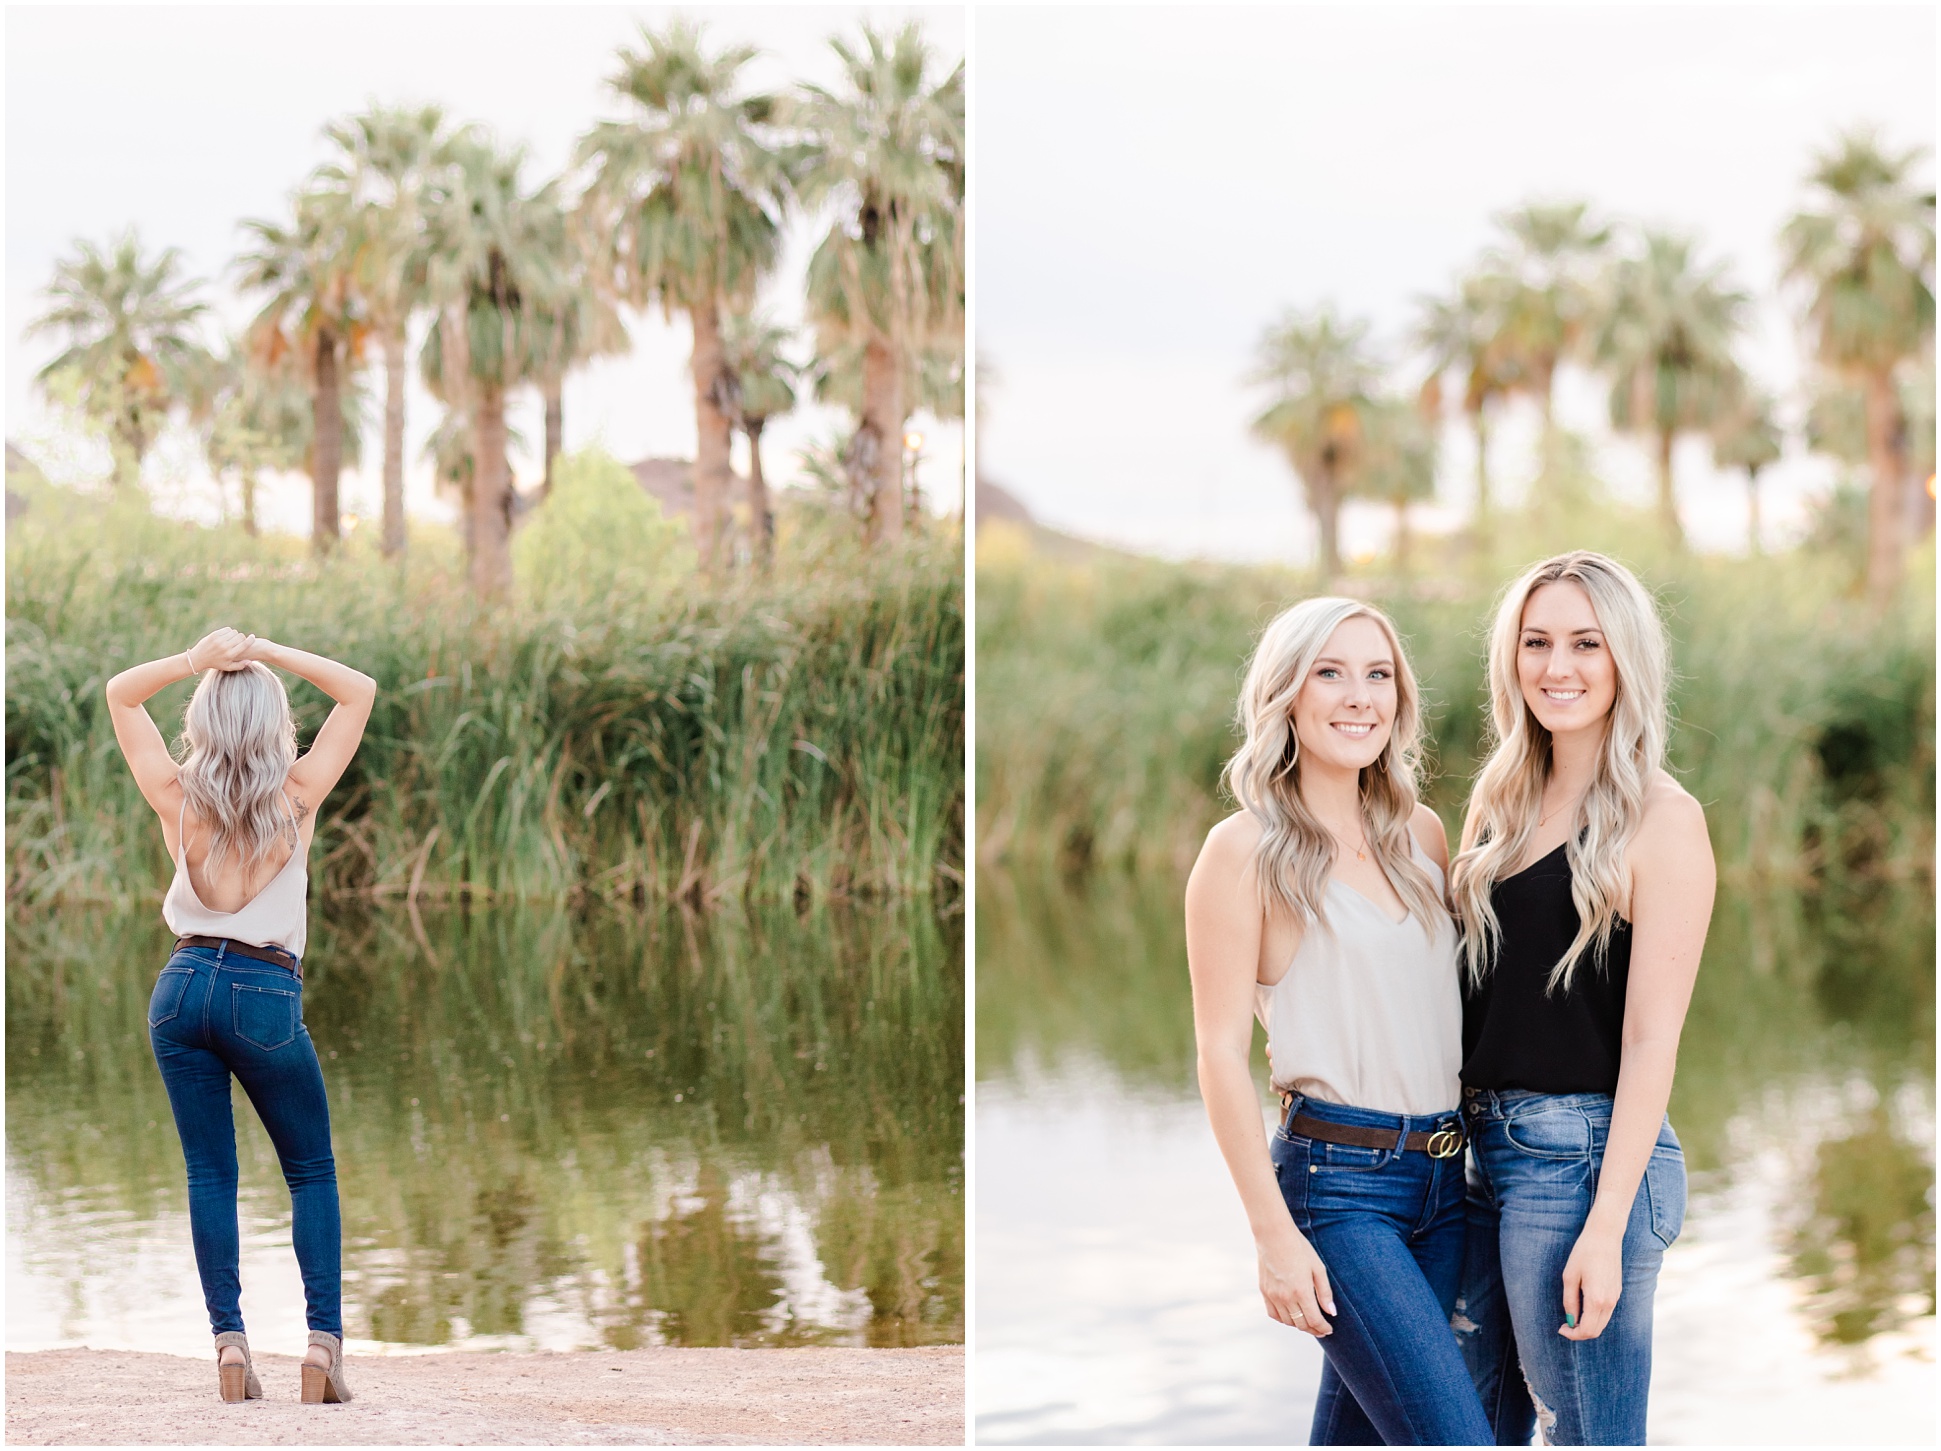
<point x="1106" y="689"/>
<point x="653" y="737"/>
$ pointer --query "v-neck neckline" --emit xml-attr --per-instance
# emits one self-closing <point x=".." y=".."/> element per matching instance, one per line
<point x="1373" y="904"/>
<point x="1535" y="864"/>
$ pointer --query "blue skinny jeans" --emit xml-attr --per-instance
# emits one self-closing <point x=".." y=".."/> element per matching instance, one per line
<point x="1388" y="1226"/>
<point x="1534" y="1162"/>
<point x="214" y="1014"/>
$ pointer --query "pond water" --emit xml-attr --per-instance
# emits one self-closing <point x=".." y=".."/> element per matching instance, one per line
<point x="552" y="1132"/>
<point x="1116" y="1298"/>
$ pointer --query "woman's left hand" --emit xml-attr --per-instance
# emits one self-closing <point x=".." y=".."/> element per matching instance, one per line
<point x="1593" y="1280"/>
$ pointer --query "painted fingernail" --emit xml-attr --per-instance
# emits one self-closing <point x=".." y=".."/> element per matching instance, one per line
<point x="1570" y="1320"/>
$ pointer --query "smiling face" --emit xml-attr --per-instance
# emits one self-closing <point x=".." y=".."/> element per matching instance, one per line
<point x="1563" y="664"/>
<point x="1346" y="706"/>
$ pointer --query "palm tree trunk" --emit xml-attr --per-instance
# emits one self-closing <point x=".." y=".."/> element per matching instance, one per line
<point x="713" y="436"/>
<point x="882" y="424"/>
<point x="491" y="490"/>
<point x="327" y="449"/>
<point x="129" y="446"/>
<point x="1755" y="533"/>
<point x="555" y="431"/>
<point x="393" y="538"/>
<point x="1479" y="420"/>
<point x="1667" y="495"/>
<point x="1884" y="501"/>
<point x="1327" y="518"/>
<point x="249" y="502"/>
<point x="758" y="505"/>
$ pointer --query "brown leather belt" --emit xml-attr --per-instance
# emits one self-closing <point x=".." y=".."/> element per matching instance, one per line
<point x="1437" y="1144"/>
<point x="280" y="956"/>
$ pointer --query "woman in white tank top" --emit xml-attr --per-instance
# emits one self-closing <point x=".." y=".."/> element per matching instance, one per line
<point x="1320" y="908"/>
<point x="238" y="814"/>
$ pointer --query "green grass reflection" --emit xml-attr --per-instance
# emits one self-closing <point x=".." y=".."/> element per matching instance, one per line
<point x="678" y="1129"/>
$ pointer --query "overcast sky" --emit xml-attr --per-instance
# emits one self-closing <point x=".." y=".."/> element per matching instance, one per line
<point x="183" y="120"/>
<point x="1155" y="185"/>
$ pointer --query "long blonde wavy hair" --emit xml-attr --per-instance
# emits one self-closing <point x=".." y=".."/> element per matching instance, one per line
<point x="239" y="742"/>
<point x="1296" y="853"/>
<point x="1508" y="797"/>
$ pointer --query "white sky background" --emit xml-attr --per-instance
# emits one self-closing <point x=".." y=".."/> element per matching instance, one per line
<point x="185" y="120"/>
<point x="1155" y="185"/>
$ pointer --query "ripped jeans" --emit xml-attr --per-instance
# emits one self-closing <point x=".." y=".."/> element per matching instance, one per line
<point x="1388" y="1226"/>
<point x="1533" y="1166"/>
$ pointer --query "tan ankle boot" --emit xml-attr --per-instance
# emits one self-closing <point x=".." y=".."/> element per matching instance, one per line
<point x="325" y="1385"/>
<point x="236" y="1382"/>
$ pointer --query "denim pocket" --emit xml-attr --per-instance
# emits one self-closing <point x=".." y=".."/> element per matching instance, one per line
<point x="1346" y="1158"/>
<point x="1557" y="1133"/>
<point x="265" y="1017"/>
<point x="1664" y="1184"/>
<point x="166" y="1001"/>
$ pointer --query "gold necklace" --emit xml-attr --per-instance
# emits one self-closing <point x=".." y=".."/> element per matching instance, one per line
<point x="1573" y="801"/>
<point x="1361" y="852"/>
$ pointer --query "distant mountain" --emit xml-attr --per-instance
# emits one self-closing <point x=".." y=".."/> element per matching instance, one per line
<point x="998" y="505"/>
<point x="671" y="481"/>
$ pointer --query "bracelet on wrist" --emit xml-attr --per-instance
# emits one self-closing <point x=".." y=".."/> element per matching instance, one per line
<point x="189" y="655"/>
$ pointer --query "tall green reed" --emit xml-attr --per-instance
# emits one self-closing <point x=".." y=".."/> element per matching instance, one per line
<point x="1106" y="690"/>
<point x="792" y="738"/>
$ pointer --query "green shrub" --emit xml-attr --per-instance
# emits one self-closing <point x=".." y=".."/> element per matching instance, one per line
<point x="599" y="535"/>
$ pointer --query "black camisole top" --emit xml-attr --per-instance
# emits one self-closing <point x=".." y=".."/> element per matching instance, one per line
<point x="1513" y="1036"/>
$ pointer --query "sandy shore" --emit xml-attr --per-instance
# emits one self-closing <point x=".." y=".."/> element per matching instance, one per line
<point x="635" y="1397"/>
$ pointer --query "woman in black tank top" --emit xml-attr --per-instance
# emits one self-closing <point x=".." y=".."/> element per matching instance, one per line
<point x="1517" y="1035"/>
<point x="1585" y="888"/>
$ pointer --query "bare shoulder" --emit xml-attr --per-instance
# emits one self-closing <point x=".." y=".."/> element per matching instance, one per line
<point x="1671" y="813"/>
<point x="1429" y="830"/>
<point x="1672" y="843"/>
<point x="1227" y="857"/>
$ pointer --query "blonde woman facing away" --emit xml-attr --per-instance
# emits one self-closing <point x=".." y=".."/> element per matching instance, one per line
<point x="1320" y="907"/>
<point x="1584" y="887"/>
<point x="238" y="813"/>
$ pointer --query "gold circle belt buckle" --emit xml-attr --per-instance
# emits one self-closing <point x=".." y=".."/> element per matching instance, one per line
<point x="1444" y="1143"/>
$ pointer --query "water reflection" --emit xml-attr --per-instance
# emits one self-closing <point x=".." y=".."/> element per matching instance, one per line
<point x="550" y="1130"/>
<point x="1804" y="1100"/>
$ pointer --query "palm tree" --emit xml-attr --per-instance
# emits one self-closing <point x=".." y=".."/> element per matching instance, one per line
<point x="575" y="323"/>
<point x="688" y="194"/>
<point x="1864" y="250"/>
<point x="314" y="312"/>
<point x="1666" y="334"/>
<point x="1748" y="437"/>
<point x="489" y="276"/>
<point x="1549" y="294"/>
<point x="454" y="468"/>
<point x="129" y="323"/>
<point x="1466" y="333"/>
<point x="1324" y="380"/>
<point x="1397" y="464"/>
<point x="759" y="383"/>
<point x="257" y="419"/>
<point x="888" y="156"/>
<point x="386" y="160"/>
<point x="935" y="384"/>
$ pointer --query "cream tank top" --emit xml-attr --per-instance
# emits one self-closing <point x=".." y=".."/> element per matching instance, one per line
<point x="1370" y="1013"/>
<point x="277" y="916"/>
